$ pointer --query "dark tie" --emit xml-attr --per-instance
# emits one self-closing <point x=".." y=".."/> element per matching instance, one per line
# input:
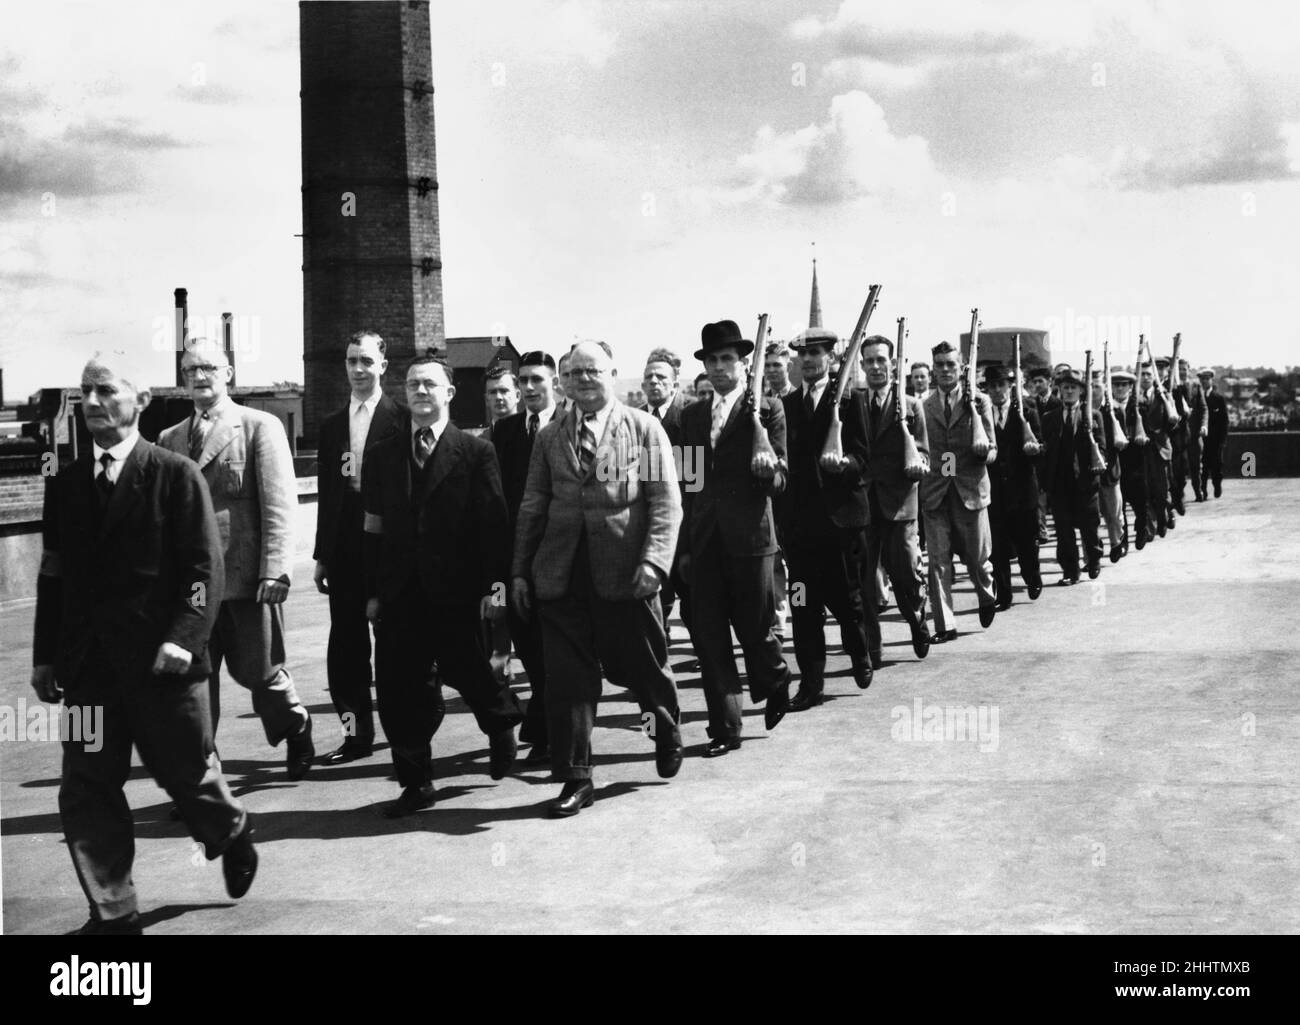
<point x="947" y="405"/>
<point x="587" y="442"/>
<point x="423" y="445"/>
<point x="199" y="434"/>
<point x="658" y="415"/>
<point x="532" y="426"/>
<point x="103" y="485"/>
<point x="808" y="406"/>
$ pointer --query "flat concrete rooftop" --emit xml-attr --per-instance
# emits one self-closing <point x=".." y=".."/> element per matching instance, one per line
<point x="1133" y="767"/>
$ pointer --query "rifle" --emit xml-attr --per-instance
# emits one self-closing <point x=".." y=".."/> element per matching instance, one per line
<point x="1175" y="382"/>
<point x="1098" y="461"/>
<point x="913" y="467"/>
<point x="1018" y="395"/>
<point x="1116" y="438"/>
<point x="833" y="450"/>
<point x="979" y="437"/>
<point x="764" y="459"/>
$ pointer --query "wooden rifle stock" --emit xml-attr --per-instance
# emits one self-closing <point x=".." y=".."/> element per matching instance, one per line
<point x="1098" y="460"/>
<point x="1019" y="396"/>
<point x="1116" y="439"/>
<point x="979" y="437"/>
<point x="913" y="467"/>
<point x="833" y="449"/>
<point x="762" y="449"/>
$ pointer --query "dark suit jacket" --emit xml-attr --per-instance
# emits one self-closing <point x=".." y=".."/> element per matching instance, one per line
<point x="815" y="500"/>
<point x="1218" y="413"/>
<point x="149" y="570"/>
<point x="672" y="417"/>
<point x="514" y="451"/>
<point x="896" y="494"/>
<point x="335" y="441"/>
<point x="731" y="499"/>
<point x="1013" y="477"/>
<point x="1058" y="442"/>
<point x="445" y="526"/>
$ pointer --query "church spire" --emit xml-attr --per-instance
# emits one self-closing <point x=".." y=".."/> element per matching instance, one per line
<point x="815" y="303"/>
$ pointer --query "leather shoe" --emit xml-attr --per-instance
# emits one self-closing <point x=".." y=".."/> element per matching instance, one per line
<point x="299" y="752"/>
<point x="1094" y="570"/>
<point x="1034" y="589"/>
<point x="503" y="749"/>
<point x="877" y="660"/>
<point x="862" y="674"/>
<point x="921" y="642"/>
<point x="1218" y="489"/>
<point x="411" y="800"/>
<point x="805" y="699"/>
<point x="348" y="752"/>
<point x="125" y="925"/>
<point x="778" y="703"/>
<point x="239" y="862"/>
<point x="943" y="637"/>
<point x="1067" y="581"/>
<point x="1116" y="553"/>
<point x="718" y="748"/>
<point x="987" y="612"/>
<point x="538" y="754"/>
<point x="576" y="795"/>
<point x="668" y="759"/>
<point x="1141" y="542"/>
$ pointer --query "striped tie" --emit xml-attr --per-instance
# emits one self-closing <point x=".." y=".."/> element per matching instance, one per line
<point x="587" y="442"/>
<point x="199" y="435"/>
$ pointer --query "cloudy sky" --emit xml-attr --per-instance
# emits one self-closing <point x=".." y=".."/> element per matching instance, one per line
<point x="630" y="170"/>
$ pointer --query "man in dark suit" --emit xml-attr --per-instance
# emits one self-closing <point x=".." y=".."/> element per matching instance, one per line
<point x="1071" y="480"/>
<point x="130" y="582"/>
<point x="728" y="539"/>
<point x="1194" y="397"/>
<point x="1216" y="433"/>
<point x="513" y="438"/>
<point x="1042" y="399"/>
<point x="436" y="558"/>
<point x="892" y="539"/>
<point x="665" y="402"/>
<point x="1132" y="459"/>
<point x="345" y="437"/>
<point x="1013" y="482"/>
<point x="1159" y="417"/>
<point x="822" y="515"/>
<point x="596" y="537"/>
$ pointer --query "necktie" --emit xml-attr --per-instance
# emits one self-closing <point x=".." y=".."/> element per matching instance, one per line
<point x="423" y="445"/>
<point x="532" y="426"/>
<point x="809" y="407"/>
<point x="199" y="434"/>
<point x="947" y="405"/>
<point x="719" y="418"/>
<point x="1002" y="416"/>
<point x="658" y="416"/>
<point x="587" y="442"/>
<point x="103" y="483"/>
<point x="360" y="428"/>
<point x="875" y="413"/>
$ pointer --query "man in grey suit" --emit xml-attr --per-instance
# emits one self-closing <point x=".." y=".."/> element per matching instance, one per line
<point x="594" y="543"/>
<point x="245" y="460"/>
<point x="955" y="492"/>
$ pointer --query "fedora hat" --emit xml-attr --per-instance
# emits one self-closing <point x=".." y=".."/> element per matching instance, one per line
<point x="725" y="334"/>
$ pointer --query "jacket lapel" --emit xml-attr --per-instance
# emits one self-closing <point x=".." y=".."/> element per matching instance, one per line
<point x="222" y="433"/>
<point x="445" y="455"/>
<point x="568" y="439"/>
<point x="729" y="427"/>
<point x="126" y="492"/>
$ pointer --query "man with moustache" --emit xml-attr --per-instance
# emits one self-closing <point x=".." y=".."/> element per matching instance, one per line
<point x="822" y="515"/>
<point x="436" y="555"/>
<point x="1013" y="487"/>
<point x="1070" y="479"/>
<point x="130" y="582"/>
<point x="514" y="439"/>
<point x="245" y="460"/>
<point x="345" y="437"/>
<point x="595" y="541"/>
<point x="501" y="393"/>
<point x="1132" y="458"/>
<point x="728" y="540"/>
<point x="955" y="492"/>
<point x="892" y="541"/>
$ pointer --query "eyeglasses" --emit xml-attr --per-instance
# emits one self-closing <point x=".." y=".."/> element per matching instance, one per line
<point x="206" y="369"/>
<point x="586" y="373"/>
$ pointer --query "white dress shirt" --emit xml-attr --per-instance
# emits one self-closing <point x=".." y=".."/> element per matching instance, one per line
<point x="119" y="452"/>
<point x="358" y="431"/>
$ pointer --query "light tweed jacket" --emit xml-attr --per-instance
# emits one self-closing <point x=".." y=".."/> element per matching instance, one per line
<point x="628" y="500"/>
<point x="248" y="468"/>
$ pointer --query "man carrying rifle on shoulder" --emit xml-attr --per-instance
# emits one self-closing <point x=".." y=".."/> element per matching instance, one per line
<point x="1013" y="480"/>
<point x="1072" y="466"/>
<point x="1132" y="460"/>
<point x="1158" y="418"/>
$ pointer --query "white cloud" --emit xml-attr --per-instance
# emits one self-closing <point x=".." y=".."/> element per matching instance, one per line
<point x="851" y="155"/>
